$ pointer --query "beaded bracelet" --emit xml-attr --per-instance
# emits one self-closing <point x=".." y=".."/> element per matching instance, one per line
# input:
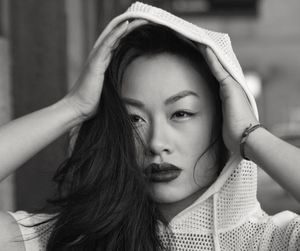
<point x="244" y="137"/>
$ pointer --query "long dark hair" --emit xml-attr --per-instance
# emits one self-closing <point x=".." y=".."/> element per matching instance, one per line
<point x="103" y="202"/>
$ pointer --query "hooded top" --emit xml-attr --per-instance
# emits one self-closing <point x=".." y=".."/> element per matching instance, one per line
<point x="227" y="216"/>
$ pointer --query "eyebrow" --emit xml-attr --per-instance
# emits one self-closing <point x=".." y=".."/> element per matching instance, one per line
<point x="179" y="96"/>
<point x="168" y="101"/>
<point x="133" y="102"/>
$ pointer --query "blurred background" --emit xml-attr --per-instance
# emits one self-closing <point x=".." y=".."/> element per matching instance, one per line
<point x="43" y="45"/>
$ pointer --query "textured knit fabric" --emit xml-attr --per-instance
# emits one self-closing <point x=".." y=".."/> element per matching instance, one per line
<point x="227" y="216"/>
<point x="35" y="238"/>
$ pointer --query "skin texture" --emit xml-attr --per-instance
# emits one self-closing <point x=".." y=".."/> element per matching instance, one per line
<point x="177" y="132"/>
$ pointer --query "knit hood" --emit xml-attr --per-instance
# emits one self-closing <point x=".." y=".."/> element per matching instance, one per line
<point x="232" y="197"/>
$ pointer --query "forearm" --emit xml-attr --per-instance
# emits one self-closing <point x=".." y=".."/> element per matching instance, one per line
<point x="22" y="138"/>
<point x="278" y="158"/>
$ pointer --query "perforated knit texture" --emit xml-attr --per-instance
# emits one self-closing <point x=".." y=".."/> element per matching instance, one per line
<point x="35" y="238"/>
<point x="227" y="216"/>
<point x="241" y="224"/>
<point x="219" y="41"/>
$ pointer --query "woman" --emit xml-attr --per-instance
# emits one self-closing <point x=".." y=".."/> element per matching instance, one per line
<point x="157" y="162"/>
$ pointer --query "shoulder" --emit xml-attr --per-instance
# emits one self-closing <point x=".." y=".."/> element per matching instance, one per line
<point x="285" y="229"/>
<point x="20" y="229"/>
<point x="284" y="218"/>
<point x="10" y="234"/>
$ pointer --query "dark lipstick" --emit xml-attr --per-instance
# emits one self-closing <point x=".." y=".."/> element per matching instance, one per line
<point x="163" y="172"/>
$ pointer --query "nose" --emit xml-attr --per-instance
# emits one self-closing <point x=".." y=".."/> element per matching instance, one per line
<point x="159" y="139"/>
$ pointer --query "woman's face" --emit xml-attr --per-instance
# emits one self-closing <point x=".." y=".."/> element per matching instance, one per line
<point x="172" y="109"/>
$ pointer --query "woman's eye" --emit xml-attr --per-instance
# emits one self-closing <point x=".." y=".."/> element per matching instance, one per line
<point x="136" y="120"/>
<point x="182" y="114"/>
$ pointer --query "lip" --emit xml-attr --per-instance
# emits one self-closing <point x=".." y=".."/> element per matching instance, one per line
<point x="164" y="172"/>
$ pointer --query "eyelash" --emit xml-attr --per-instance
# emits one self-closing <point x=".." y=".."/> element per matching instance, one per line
<point x="185" y="114"/>
<point x="134" y="116"/>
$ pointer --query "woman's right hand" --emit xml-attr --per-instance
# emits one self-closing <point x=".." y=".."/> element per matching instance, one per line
<point x="85" y="94"/>
<point x="29" y="134"/>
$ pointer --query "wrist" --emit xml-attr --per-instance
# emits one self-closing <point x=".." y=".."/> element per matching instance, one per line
<point x="72" y="117"/>
<point x="247" y="140"/>
<point x="253" y="139"/>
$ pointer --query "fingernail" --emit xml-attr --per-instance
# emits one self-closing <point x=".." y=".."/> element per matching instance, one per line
<point x="126" y="23"/>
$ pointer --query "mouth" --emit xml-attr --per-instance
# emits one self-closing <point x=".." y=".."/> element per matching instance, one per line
<point x="163" y="172"/>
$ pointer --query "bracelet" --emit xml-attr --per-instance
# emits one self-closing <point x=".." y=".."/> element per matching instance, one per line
<point x="244" y="137"/>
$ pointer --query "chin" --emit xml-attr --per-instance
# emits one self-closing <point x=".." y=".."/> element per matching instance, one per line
<point x="163" y="199"/>
<point x="164" y="194"/>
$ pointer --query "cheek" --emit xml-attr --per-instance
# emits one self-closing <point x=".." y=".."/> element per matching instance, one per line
<point x="140" y="142"/>
<point x="139" y="146"/>
<point x="196" y="136"/>
<point x="205" y="170"/>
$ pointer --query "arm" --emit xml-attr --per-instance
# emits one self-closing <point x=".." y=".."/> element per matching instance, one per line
<point x="276" y="157"/>
<point x="25" y="136"/>
<point x="22" y="138"/>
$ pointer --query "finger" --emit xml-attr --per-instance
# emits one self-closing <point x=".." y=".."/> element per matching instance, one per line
<point x="113" y="39"/>
<point x="217" y="69"/>
<point x="225" y="79"/>
<point x="133" y="25"/>
<point x="109" y="40"/>
<point x="106" y="32"/>
<point x="215" y="65"/>
<point x="115" y="36"/>
<point x="102" y="55"/>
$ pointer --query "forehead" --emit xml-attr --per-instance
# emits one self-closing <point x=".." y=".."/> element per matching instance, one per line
<point x="161" y="76"/>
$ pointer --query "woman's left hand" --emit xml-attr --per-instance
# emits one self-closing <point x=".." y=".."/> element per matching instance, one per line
<point x="278" y="158"/>
<point x="237" y="111"/>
